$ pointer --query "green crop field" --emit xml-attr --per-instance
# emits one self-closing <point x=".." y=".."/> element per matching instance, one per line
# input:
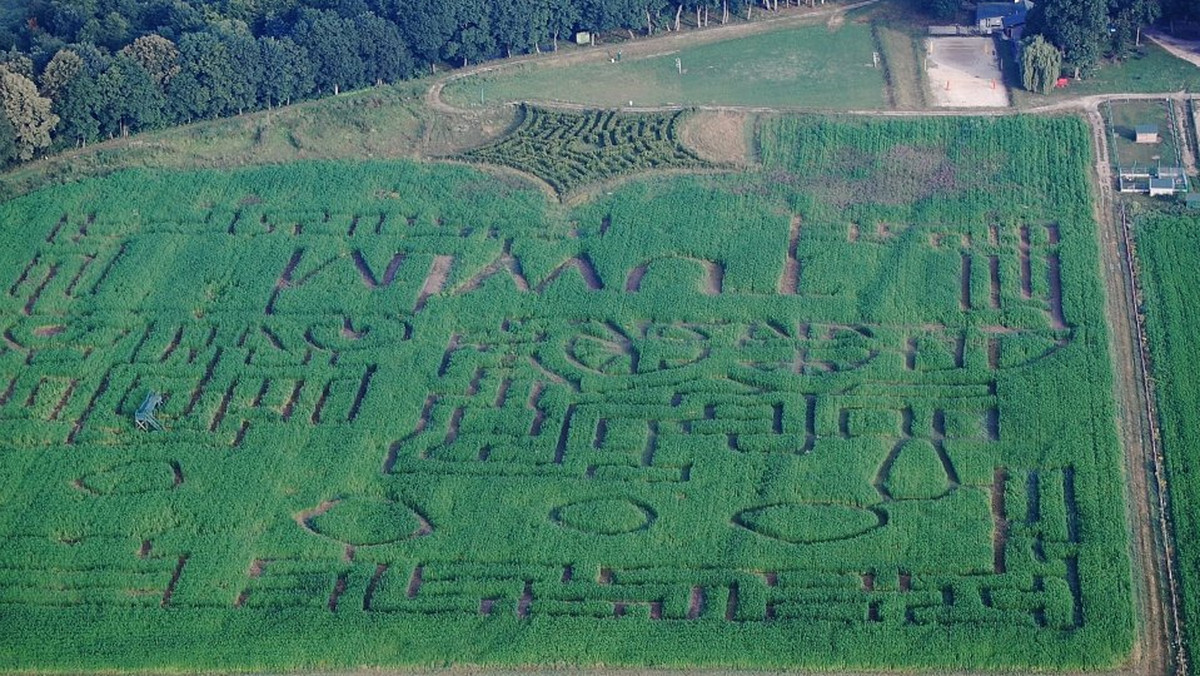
<point x="569" y="149"/>
<point x="808" y="416"/>
<point x="1169" y="253"/>
<point x="812" y="66"/>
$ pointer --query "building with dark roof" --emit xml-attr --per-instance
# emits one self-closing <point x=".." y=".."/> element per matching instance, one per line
<point x="992" y="17"/>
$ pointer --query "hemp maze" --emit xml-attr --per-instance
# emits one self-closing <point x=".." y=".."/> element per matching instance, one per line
<point x="417" y="413"/>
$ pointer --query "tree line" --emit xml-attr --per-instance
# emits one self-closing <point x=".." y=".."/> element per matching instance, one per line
<point x="77" y="71"/>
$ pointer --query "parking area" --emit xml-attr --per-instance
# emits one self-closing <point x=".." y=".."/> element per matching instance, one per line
<point x="965" y="72"/>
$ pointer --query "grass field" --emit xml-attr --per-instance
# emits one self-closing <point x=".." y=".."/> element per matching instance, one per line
<point x="1124" y="116"/>
<point x="1169" y="254"/>
<point x="1152" y="69"/>
<point x="813" y="66"/>
<point x="804" y="417"/>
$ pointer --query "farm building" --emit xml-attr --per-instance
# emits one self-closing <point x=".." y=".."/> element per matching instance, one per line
<point x="1150" y="180"/>
<point x="1162" y="186"/>
<point x="994" y="17"/>
<point x="1145" y="133"/>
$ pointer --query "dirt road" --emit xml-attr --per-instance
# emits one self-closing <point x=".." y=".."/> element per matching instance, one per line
<point x="1188" y="50"/>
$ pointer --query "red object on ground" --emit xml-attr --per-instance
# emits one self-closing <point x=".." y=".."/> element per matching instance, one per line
<point x="1061" y="82"/>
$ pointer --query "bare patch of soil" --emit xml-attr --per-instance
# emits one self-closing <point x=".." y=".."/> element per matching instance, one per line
<point x="718" y="136"/>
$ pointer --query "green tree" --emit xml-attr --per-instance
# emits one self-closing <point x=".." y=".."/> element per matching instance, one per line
<point x="1128" y="19"/>
<point x="28" y="112"/>
<point x="202" y="88"/>
<point x="384" y="55"/>
<point x="1041" y="63"/>
<point x="287" y="72"/>
<point x="1077" y="27"/>
<point x="64" y="67"/>
<point x="943" y="10"/>
<point x="8" y="142"/>
<point x="157" y="55"/>
<point x="130" y="98"/>
<point x="70" y="83"/>
<point x="333" y="46"/>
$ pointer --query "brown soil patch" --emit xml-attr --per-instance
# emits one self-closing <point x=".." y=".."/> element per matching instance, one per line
<point x="718" y="136"/>
<point x="303" y="518"/>
<point x="48" y="331"/>
<point x="435" y="280"/>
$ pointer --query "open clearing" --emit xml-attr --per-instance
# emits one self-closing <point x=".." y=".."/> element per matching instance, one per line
<point x="422" y="414"/>
<point x="811" y="66"/>
<point x="1125" y="116"/>
<point x="965" y="73"/>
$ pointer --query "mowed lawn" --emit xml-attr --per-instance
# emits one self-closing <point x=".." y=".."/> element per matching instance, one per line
<point x="1150" y="69"/>
<point x="1125" y="117"/>
<point x="811" y="66"/>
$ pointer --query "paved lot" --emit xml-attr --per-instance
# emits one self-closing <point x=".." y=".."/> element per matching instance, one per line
<point x="965" y="73"/>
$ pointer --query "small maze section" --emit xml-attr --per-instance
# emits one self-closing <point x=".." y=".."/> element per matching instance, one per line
<point x="569" y="149"/>
<point x="706" y="421"/>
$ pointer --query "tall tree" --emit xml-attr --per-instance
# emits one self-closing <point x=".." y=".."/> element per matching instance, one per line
<point x="1128" y="18"/>
<point x="1041" y="64"/>
<point x="131" y="98"/>
<point x="332" y="44"/>
<point x="201" y="89"/>
<point x="8" y="142"/>
<point x="27" y="112"/>
<point x="427" y="27"/>
<point x="70" y="83"/>
<point x="564" y="17"/>
<point x="381" y="48"/>
<point x="157" y="55"/>
<point x="64" y="67"/>
<point x="287" y="72"/>
<point x="247" y="74"/>
<point x="1077" y="27"/>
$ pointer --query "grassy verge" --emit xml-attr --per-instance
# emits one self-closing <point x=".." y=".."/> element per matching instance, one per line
<point x="375" y="123"/>
<point x="903" y="70"/>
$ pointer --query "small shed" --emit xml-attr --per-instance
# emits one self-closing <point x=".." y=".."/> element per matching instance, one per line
<point x="583" y="38"/>
<point x="1192" y="200"/>
<point x="1145" y="133"/>
<point x="1162" y="186"/>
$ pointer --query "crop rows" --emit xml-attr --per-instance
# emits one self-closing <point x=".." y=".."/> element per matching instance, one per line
<point x="1167" y="250"/>
<point x="415" y="415"/>
<point x="570" y="149"/>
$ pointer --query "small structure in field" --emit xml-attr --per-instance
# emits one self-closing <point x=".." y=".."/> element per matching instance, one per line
<point x="1145" y="133"/>
<point x="584" y="38"/>
<point x="1151" y="180"/>
<point x="1162" y="186"/>
<point x="144" y="416"/>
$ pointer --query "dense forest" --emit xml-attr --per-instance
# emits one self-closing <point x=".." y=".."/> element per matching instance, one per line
<point x="76" y="71"/>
